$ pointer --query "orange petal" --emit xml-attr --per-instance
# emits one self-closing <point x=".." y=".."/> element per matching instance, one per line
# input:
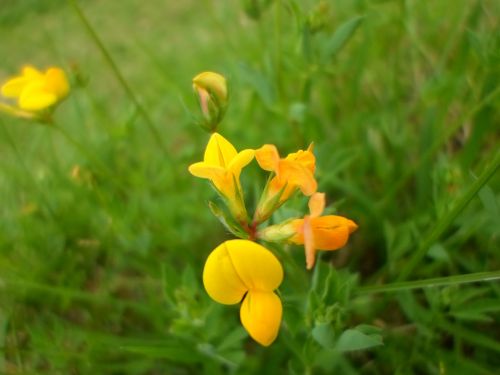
<point x="297" y="175"/>
<point x="309" y="243"/>
<point x="316" y="204"/>
<point x="268" y="157"/>
<point x="331" y="232"/>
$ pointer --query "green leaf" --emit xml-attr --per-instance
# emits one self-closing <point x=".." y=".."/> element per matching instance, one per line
<point x="353" y="339"/>
<point x="324" y="335"/>
<point x="339" y="38"/>
<point x="490" y="203"/>
<point x="227" y="220"/>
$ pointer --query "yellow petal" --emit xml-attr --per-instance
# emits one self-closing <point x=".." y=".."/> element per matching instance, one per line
<point x="13" y="87"/>
<point x="56" y="82"/>
<point x="204" y="170"/>
<point x="256" y="266"/>
<point x="31" y="73"/>
<point x="240" y="161"/>
<point x="316" y="204"/>
<point x="268" y="157"/>
<point x="220" y="278"/>
<point x="219" y="151"/>
<point x="260" y="314"/>
<point x="34" y="97"/>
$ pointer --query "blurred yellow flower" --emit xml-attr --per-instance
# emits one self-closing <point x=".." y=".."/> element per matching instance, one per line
<point x="222" y="165"/>
<point x="317" y="232"/>
<point x="35" y="90"/>
<point x="296" y="171"/>
<point x="242" y="270"/>
<point x="212" y="94"/>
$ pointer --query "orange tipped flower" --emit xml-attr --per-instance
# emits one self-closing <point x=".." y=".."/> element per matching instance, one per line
<point x="317" y="232"/>
<point x="242" y="270"/>
<point x="36" y="91"/>
<point x="222" y="165"/>
<point x="296" y="171"/>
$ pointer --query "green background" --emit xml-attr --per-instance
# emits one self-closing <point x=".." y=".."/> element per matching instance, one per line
<point x="100" y="266"/>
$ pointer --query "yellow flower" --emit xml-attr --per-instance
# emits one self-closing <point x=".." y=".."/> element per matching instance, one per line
<point x="296" y="171"/>
<point x="212" y="94"/>
<point x="36" y="91"/>
<point x="242" y="270"/>
<point x="222" y="165"/>
<point x="317" y="232"/>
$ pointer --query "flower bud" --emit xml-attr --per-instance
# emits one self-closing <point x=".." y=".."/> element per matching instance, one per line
<point x="278" y="233"/>
<point x="211" y="89"/>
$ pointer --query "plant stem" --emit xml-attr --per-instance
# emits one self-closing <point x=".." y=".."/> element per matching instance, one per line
<point x="428" y="283"/>
<point x="119" y="76"/>
<point x="437" y="230"/>
<point x="28" y="173"/>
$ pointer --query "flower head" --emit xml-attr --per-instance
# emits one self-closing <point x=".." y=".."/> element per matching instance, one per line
<point x="222" y="165"/>
<point x="242" y="270"/>
<point x="296" y="171"/>
<point x="37" y="91"/>
<point x="211" y="89"/>
<point x="317" y="232"/>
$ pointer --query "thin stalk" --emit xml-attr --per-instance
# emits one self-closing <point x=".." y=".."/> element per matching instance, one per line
<point x="437" y="230"/>
<point x="430" y="283"/>
<point x="119" y="76"/>
<point x="277" y="46"/>
<point x="28" y="173"/>
<point x="83" y="150"/>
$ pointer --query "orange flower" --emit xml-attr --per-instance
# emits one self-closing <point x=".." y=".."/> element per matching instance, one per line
<point x="317" y="232"/>
<point x="296" y="171"/>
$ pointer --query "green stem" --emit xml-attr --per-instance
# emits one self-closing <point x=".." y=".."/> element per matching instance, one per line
<point x="119" y="76"/>
<point x="28" y="173"/>
<point x="437" y="230"/>
<point x="84" y="151"/>
<point x="428" y="283"/>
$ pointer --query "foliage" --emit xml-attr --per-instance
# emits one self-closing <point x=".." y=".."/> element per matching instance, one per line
<point x="103" y="235"/>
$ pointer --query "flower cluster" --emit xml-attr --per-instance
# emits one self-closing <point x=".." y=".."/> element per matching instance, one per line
<point x="241" y="270"/>
<point x="36" y="93"/>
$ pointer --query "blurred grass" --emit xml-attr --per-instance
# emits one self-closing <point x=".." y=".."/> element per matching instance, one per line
<point x="102" y="276"/>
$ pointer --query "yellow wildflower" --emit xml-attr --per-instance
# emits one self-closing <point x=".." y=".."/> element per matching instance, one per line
<point x="296" y="171"/>
<point x="242" y="270"/>
<point x="317" y="232"/>
<point x="36" y="91"/>
<point x="222" y="165"/>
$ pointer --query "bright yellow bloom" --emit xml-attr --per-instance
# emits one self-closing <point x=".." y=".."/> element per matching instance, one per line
<point x="35" y="90"/>
<point x="242" y="270"/>
<point x="212" y="94"/>
<point x="222" y="165"/>
<point x="296" y="171"/>
<point x="317" y="232"/>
